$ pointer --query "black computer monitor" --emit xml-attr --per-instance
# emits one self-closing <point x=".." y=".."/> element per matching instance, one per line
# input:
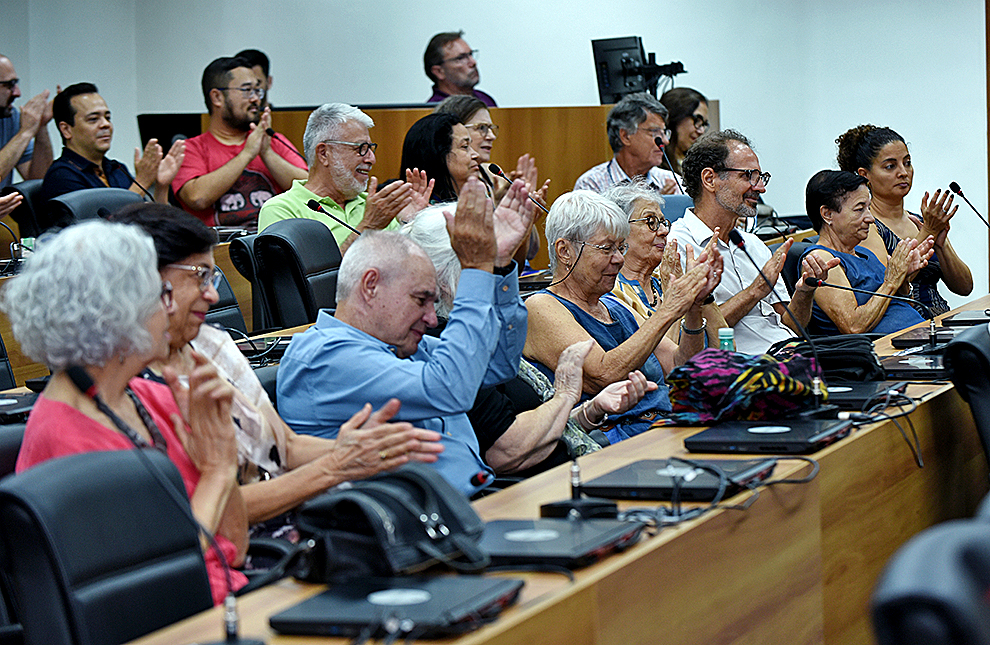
<point x="617" y="62"/>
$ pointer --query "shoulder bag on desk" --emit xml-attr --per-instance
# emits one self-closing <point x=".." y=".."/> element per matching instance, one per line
<point x="847" y="357"/>
<point x="391" y="524"/>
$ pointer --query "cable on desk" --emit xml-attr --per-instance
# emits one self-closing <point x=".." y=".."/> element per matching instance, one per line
<point x="877" y="413"/>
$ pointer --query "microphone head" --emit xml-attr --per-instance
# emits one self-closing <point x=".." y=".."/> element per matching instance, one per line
<point x="736" y="237"/>
<point x="813" y="282"/>
<point x="659" y="142"/>
<point x="270" y="132"/>
<point x="314" y="205"/>
<point x="103" y="212"/>
<point x="954" y="187"/>
<point x="495" y="170"/>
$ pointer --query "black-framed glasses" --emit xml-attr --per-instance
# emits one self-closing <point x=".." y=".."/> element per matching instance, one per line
<point x="701" y="124"/>
<point x="207" y="276"/>
<point x="246" y="92"/>
<point x="361" y="148"/>
<point x="167" y="299"/>
<point x="483" y="128"/>
<point x="462" y="58"/>
<point x="653" y="222"/>
<point x="753" y="175"/>
<point x="11" y="84"/>
<point x="609" y="249"/>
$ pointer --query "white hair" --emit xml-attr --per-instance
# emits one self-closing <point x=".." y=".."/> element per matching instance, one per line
<point x="626" y="194"/>
<point x="429" y="230"/>
<point x="325" y="122"/>
<point x="85" y="295"/>
<point x="576" y="216"/>
<point x="382" y="250"/>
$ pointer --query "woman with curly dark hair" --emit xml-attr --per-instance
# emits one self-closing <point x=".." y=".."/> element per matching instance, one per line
<point x="687" y="121"/>
<point x="881" y="155"/>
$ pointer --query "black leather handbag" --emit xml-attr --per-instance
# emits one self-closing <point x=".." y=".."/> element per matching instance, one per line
<point x="391" y="524"/>
<point x="847" y="357"/>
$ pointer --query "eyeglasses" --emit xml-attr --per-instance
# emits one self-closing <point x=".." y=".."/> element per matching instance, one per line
<point x="207" y="276"/>
<point x="609" y="249"/>
<point x="246" y="92"/>
<point x="361" y="148"/>
<point x="701" y="124"/>
<point x="658" y="132"/>
<point x="483" y="128"/>
<point x="167" y="299"/>
<point x="754" y="175"/>
<point x="653" y="222"/>
<point x="462" y="58"/>
<point x="11" y="84"/>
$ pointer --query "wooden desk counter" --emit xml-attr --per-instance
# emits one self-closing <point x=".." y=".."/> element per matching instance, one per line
<point x="797" y="567"/>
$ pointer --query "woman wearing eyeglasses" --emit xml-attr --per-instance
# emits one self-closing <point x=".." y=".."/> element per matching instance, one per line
<point x="277" y="468"/>
<point x="882" y="156"/>
<point x="440" y="145"/>
<point x="687" y="121"/>
<point x="587" y="242"/>
<point x="650" y="261"/>
<point x="91" y="305"/>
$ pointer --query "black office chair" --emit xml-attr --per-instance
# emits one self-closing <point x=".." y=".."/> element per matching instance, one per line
<point x="675" y="205"/>
<point x="6" y="371"/>
<point x="933" y="590"/>
<point x="11" y="436"/>
<point x="11" y="632"/>
<point x="267" y="376"/>
<point x="97" y="551"/>
<point x="79" y="205"/>
<point x="226" y="312"/>
<point x="244" y="259"/>
<point x="791" y="271"/>
<point x="26" y="215"/>
<point x="967" y="358"/>
<point x="298" y="260"/>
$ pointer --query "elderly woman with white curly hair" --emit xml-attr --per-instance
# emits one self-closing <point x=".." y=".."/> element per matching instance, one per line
<point x="526" y="425"/>
<point x="587" y="242"/>
<point x="91" y="305"/>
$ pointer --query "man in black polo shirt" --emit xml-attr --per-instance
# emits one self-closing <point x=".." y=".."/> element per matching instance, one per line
<point x="83" y="121"/>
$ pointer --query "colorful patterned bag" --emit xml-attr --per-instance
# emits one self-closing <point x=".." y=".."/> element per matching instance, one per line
<point x="716" y="385"/>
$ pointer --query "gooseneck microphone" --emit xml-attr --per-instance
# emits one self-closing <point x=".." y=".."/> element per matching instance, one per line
<point x="663" y="149"/>
<point x="275" y="135"/>
<point x="954" y="187"/>
<point x="315" y="206"/>
<point x="495" y="170"/>
<point x="815" y="282"/>
<point x="816" y="382"/>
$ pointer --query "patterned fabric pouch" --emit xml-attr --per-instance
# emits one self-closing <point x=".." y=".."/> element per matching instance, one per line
<point x="716" y="385"/>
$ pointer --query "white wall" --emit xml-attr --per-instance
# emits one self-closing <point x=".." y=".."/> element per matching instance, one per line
<point x="791" y="74"/>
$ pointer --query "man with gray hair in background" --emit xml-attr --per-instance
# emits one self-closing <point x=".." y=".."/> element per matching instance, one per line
<point x="633" y="126"/>
<point x="373" y="347"/>
<point x="340" y="154"/>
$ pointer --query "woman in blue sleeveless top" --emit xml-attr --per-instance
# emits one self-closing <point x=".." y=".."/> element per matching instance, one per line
<point x="586" y="239"/>
<point x="838" y="203"/>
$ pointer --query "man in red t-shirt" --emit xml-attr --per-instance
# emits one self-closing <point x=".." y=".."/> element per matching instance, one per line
<point x="235" y="166"/>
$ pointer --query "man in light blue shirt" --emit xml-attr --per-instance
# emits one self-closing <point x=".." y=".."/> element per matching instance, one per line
<point x="24" y="142"/>
<point x="373" y="348"/>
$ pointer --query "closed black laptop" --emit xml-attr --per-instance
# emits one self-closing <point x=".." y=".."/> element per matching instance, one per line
<point x="967" y="318"/>
<point x="558" y="542"/>
<point x="14" y="408"/>
<point x="914" y="367"/>
<point x="922" y="336"/>
<point x="788" y="436"/>
<point x="418" y="606"/>
<point x="854" y="395"/>
<point x="656" y="479"/>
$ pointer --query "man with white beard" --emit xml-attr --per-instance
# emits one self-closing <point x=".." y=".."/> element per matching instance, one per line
<point x="340" y="154"/>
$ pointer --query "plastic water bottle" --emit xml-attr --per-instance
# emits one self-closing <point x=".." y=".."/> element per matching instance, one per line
<point x="727" y="339"/>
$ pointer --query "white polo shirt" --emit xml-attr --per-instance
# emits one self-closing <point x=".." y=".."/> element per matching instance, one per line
<point x="761" y="327"/>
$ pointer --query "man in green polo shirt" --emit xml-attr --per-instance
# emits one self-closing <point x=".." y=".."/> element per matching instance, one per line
<point x="340" y="155"/>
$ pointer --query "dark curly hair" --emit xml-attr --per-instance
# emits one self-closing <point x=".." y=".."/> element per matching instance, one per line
<point x="710" y="151"/>
<point x="859" y="146"/>
<point x="829" y="188"/>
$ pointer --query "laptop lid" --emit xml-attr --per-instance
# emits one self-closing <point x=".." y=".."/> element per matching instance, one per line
<point x="423" y="607"/>
<point x="967" y="318"/>
<point x="921" y="336"/>
<point x="914" y="367"/>
<point x="656" y="479"/>
<point x="788" y="436"/>
<point x="854" y="395"/>
<point x="14" y="408"/>
<point x="556" y="541"/>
